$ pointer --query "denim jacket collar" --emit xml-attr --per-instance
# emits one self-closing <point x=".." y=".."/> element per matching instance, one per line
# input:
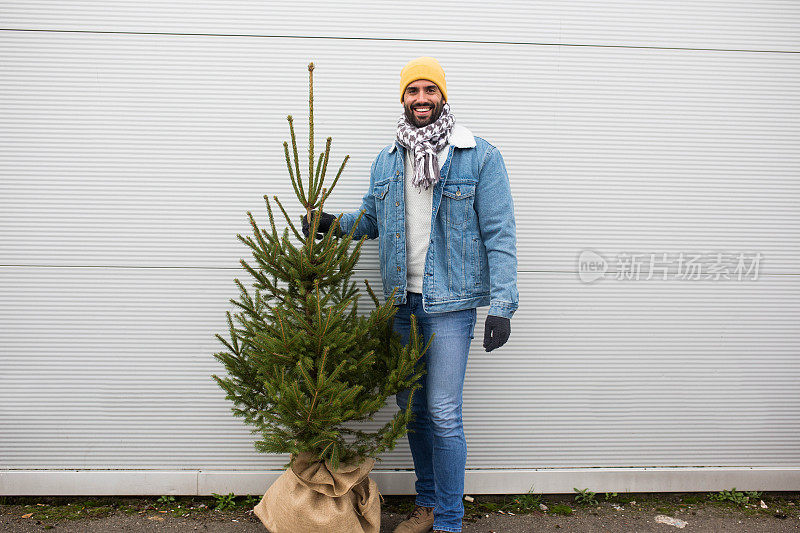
<point x="460" y="137"/>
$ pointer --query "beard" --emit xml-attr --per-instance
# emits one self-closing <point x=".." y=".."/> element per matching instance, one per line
<point x="434" y="116"/>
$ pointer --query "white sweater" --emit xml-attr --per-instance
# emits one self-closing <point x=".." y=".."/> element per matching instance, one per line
<point x="419" y="206"/>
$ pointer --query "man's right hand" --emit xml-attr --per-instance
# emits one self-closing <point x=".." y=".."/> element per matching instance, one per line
<point x="325" y="223"/>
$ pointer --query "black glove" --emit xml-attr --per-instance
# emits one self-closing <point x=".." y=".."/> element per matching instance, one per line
<point x="325" y="223"/>
<point x="496" y="332"/>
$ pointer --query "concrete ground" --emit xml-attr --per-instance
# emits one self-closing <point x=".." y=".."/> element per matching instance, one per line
<point x="630" y="513"/>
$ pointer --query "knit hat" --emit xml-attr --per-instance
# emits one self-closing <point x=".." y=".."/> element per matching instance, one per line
<point x="422" y="68"/>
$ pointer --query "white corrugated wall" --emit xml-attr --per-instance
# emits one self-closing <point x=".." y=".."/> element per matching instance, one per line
<point x="134" y="136"/>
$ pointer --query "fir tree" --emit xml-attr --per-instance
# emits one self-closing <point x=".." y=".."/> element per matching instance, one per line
<point x="302" y="362"/>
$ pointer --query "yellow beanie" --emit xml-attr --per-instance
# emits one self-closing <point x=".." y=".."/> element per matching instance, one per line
<point x="422" y="68"/>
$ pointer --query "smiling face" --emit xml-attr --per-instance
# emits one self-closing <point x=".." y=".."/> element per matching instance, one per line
<point x="423" y="102"/>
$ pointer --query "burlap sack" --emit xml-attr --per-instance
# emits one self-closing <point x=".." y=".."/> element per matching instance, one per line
<point x="310" y="497"/>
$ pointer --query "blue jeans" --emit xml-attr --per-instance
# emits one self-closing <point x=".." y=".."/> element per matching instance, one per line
<point x="436" y="435"/>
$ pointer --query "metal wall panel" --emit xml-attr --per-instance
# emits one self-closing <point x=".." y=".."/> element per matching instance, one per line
<point x="769" y="25"/>
<point x="142" y="150"/>
<point x="109" y="368"/>
<point x="128" y="162"/>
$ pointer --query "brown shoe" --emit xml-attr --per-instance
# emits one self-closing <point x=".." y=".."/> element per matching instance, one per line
<point x="420" y="520"/>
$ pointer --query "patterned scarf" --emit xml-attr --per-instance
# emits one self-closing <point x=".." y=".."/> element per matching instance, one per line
<point x="425" y="142"/>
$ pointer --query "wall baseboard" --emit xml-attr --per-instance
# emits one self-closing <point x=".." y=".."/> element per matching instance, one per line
<point x="540" y="481"/>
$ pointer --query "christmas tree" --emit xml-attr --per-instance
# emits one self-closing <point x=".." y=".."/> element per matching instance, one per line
<point x="303" y="364"/>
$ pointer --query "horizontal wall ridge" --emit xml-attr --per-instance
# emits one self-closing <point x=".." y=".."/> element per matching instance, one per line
<point x="403" y="39"/>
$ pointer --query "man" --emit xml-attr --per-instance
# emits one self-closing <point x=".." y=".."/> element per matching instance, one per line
<point x="439" y="202"/>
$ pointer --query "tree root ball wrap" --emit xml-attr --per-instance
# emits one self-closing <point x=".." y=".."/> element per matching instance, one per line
<point x="309" y="497"/>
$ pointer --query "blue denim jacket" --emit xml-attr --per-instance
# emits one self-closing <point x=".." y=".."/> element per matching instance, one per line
<point x="472" y="254"/>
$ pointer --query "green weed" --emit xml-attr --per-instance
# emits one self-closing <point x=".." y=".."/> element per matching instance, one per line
<point x="584" y="497"/>
<point x="224" y="502"/>
<point x="561" y="509"/>
<point x="739" y="498"/>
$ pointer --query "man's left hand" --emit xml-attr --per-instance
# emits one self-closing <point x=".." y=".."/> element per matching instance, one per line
<point x="496" y="332"/>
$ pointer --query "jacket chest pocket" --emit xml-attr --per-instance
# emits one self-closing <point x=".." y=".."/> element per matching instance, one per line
<point x="457" y="199"/>
<point x="380" y="194"/>
<point x="379" y="191"/>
